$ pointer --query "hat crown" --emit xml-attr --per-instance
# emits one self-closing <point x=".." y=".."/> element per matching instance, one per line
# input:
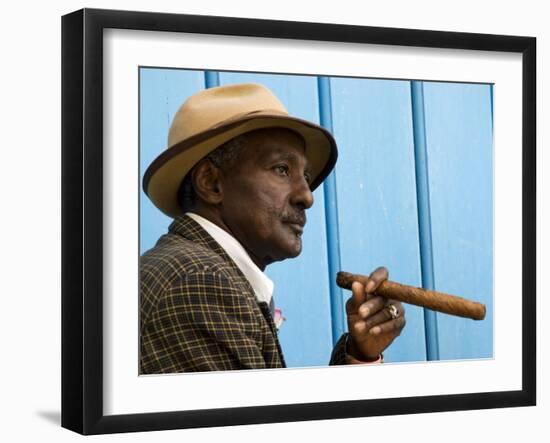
<point x="214" y="106"/>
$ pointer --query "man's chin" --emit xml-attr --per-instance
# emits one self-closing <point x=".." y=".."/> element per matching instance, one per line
<point x="292" y="251"/>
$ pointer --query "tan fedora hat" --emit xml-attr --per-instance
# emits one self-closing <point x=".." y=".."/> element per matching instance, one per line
<point x="214" y="116"/>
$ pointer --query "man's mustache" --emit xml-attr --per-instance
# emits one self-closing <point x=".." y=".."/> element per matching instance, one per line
<point x="296" y="218"/>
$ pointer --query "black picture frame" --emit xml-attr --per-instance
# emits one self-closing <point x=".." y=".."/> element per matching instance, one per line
<point x="82" y="230"/>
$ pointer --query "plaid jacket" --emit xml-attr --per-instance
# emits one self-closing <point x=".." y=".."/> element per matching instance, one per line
<point x="197" y="310"/>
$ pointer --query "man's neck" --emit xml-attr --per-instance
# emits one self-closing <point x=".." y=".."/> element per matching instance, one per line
<point x="214" y="217"/>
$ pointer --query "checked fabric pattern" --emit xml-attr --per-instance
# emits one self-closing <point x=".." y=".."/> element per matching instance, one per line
<point x="197" y="310"/>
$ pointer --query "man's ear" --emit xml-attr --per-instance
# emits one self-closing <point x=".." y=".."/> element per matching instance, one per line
<point x="207" y="182"/>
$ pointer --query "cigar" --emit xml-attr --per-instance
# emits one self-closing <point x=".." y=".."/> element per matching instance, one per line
<point x="436" y="301"/>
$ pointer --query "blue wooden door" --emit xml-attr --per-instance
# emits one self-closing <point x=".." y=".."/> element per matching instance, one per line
<point x="460" y="151"/>
<point x="367" y="214"/>
<point x="376" y="191"/>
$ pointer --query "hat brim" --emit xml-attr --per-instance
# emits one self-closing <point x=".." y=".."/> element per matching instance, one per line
<point x="163" y="177"/>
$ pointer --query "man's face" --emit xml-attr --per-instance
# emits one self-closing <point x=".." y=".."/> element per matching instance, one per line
<point x="265" y="195"/>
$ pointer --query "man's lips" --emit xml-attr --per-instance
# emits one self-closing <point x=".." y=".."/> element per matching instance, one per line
<point x="296" y="227"/>
<point x="296" y="224"/>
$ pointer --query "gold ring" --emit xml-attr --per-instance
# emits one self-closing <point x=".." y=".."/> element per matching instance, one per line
<point x="394" y="312"/>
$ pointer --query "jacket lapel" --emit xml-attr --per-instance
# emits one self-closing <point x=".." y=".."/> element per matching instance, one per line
<point x="191" y="230"/>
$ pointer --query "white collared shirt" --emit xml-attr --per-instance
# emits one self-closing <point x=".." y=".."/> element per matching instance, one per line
<point x="260" y="282"/>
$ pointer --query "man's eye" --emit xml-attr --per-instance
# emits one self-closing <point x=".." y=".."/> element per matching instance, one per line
<point x="308" y="178"/>
<point x="282" y="169"/>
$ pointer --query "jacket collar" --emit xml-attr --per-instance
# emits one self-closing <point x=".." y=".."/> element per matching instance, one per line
<point x="191" y="230"/>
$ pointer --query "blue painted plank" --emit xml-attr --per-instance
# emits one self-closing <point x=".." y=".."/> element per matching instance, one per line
<point x="460" y="153"/>
<point x="301" y="284"/>
<point x="424" y="216"/>
<point x="162" y="91"/>
<point x="337" y="309"/>
<point x="377" y="191"/>
<point x="211" y="79"/>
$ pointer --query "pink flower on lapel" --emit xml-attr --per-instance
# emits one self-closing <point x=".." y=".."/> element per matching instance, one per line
<point x="278" y="318"/>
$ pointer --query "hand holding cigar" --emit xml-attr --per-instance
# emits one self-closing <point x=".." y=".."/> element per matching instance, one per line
<point x="436" y="301"/>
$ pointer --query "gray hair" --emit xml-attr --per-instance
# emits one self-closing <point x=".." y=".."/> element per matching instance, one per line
<point x="223" y="157"/>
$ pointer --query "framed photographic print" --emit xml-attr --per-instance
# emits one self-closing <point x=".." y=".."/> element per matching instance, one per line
<point x="428" y="170"/>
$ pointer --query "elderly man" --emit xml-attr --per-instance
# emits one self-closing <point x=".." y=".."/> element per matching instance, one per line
<point x="238" y="178"/>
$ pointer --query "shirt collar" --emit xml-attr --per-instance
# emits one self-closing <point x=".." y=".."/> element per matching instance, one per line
<point x="260" y="282"/>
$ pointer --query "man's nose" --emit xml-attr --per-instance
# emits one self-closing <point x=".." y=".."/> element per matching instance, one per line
<point x="302" y="195"/>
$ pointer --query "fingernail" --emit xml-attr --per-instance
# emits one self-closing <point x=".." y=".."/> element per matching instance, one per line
<point x="364" y="311"/>
<point x="375" y="331"/>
